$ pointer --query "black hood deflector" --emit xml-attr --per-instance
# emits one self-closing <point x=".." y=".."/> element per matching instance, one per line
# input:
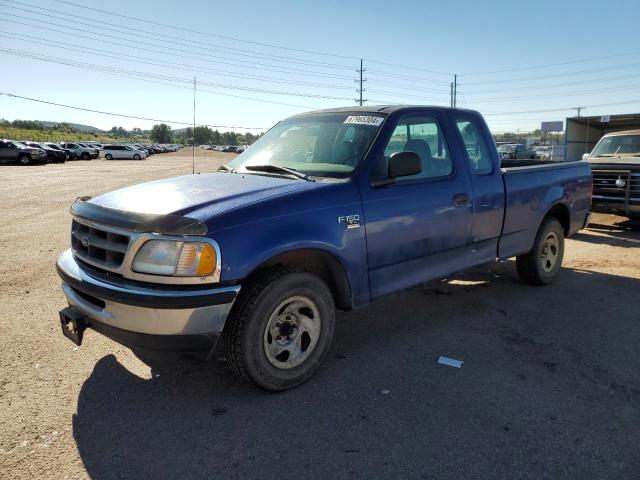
<point x="137" y="222"/>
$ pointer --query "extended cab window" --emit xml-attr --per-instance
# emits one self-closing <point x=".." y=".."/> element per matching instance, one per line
<point x="423" y="136"/>
<point x="475" y="145"/>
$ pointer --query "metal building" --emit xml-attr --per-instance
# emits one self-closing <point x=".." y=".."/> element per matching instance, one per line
<point x="582" y="133"/>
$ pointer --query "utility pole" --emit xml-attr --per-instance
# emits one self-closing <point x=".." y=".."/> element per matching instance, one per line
<point x="193" y="151"/>
<point x="451" y="95"/>
<point x="579" y="109"/>
<point x="360" y="82"/>
<point x="455" y="90"/>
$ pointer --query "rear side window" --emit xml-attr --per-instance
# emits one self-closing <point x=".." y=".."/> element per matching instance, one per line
<point x="475" y="146"/>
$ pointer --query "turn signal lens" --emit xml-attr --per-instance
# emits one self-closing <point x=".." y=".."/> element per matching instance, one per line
<point x="207" y="263"/>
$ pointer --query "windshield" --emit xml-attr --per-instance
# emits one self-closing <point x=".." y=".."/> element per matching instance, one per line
<point x="52" y="145"/>
<point x="325" y="145"/>
<point x="618" y="145"/>
<point x="506" y="148"/>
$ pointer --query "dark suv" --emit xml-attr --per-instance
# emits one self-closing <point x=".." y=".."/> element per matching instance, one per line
<point x="11" y="152"/>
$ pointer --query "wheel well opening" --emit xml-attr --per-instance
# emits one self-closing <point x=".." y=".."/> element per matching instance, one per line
<point x="561" y="213"/>
<point x="324" y="265"/>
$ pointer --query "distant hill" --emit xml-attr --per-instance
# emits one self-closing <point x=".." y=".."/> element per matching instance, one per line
<point x="76" y="126"/>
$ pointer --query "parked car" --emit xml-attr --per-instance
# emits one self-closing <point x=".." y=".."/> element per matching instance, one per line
<point x="92" y="144"/>
<point x="12" y="151"/>
<point x="121" y="152"/>
<point x="230" y="148"/>
<point x="70" y="153"/>
<point x="329" y="209"/>
<point x="81" y="151"/>
<point x="543" y="152"/>
<point x="516" y="151"/>
<point x="615" y="164"/>
<point x="53" y="155"/>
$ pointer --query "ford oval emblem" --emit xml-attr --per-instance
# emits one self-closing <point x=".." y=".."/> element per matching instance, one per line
<point x="85" y="242"/>
<point x="620" y="183"/>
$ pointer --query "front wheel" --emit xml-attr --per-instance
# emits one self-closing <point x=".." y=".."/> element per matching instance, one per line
<point x="25" y="160"/>
<point x="108" y="156"/>
<point x="136" y="157"/>
<point x="85" y="156"/>
<point x="542" y="263"/>
<point x="280" y="329"/>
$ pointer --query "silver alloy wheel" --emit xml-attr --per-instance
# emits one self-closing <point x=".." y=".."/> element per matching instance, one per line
<point x="292" y="332"/>
<point x="549" y="254"/>
<point x="24" y="160"/>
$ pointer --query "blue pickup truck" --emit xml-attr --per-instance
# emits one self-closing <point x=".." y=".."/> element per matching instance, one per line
<point x="329" y="210"/>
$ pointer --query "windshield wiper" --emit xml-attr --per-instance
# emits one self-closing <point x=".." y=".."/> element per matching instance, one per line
<point x="226" y="168"/>
<point x="279" y="169"/>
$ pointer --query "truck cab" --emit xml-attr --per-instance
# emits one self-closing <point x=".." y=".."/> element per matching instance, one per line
<point x="328" y="210"/>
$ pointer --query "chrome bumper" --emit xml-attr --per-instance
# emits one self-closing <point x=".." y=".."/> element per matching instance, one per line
<point x="141" y="309"/>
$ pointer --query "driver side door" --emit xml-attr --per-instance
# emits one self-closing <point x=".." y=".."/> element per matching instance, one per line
<point x="418" y="227"/>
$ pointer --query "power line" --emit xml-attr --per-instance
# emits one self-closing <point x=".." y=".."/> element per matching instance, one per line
<point x="208" y="45"/>
<point x="145" y="60"/>
<point x="215" y="59"/>
<point x="558" y="64"/>
<point x="235" y="39"/>
<point x="136" y="73"/>
<point x="241" y="97"/>
<point x="122" y="114"/>
<point x="564" y="109"/>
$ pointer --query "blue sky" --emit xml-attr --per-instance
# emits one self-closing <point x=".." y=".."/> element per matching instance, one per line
<point x="510" y="57"/>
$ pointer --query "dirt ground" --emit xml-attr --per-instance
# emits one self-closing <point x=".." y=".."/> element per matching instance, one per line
<point x="550" y="386"/>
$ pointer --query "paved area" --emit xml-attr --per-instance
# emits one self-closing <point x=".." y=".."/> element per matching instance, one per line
<point x="549" y="388"/>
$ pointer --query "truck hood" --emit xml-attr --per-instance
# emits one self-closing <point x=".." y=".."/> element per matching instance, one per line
<point x="200" y="196"/>
<point x="634" y="161"/>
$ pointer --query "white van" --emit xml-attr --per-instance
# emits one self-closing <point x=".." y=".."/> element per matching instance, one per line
<point x="112" y="152"/>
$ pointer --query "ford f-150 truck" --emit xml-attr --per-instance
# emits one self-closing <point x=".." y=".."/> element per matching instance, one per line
<point x="329" y="209"/>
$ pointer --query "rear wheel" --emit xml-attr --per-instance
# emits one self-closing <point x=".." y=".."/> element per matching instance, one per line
<point x="280" y="329"/>
<point x="108" y="156"/>
<point x="542" y="263"/>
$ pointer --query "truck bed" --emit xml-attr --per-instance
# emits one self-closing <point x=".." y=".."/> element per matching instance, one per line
<point x="531" y="189"/>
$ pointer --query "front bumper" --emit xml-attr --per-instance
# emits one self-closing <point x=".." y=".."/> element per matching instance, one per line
<point x="174" y="322"/>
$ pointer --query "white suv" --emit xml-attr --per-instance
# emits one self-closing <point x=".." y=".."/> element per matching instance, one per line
<point x="123" y="152"/>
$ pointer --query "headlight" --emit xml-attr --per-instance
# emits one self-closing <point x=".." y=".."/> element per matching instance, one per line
<point x="175" y="258"/>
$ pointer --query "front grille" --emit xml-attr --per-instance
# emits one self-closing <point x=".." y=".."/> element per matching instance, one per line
<point x="98" y="246"/>
<point x="604" y="185"/>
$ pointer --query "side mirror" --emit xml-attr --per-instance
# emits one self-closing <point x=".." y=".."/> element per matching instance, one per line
<point x="403" y="164"/>
<point x="585" y="156"/>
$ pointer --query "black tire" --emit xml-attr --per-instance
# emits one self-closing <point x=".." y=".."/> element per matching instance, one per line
<point x="24" y="160"/>
<point x="108" y="156"/>
<point x="136" y="157"/>
<point x="246" y="338"/>
<point x="84" y="156"/>
<point x="543" y="262"/>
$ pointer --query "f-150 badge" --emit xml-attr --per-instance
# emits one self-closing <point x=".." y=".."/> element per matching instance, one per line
<point x="351" y="221"/>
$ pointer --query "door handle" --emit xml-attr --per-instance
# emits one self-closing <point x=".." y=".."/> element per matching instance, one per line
<point x="461" y="200"/>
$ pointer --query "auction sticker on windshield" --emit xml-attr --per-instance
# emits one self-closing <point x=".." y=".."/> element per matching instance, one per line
<point x="365" y="120"/>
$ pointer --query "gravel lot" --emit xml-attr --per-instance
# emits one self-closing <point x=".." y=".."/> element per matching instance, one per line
<point x="549" y="389"/>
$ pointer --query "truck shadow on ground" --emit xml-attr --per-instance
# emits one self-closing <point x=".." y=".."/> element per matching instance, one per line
<point x="382" y="408"/>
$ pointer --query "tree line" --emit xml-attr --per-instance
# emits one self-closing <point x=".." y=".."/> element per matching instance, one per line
<point x="162" y="133"/>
